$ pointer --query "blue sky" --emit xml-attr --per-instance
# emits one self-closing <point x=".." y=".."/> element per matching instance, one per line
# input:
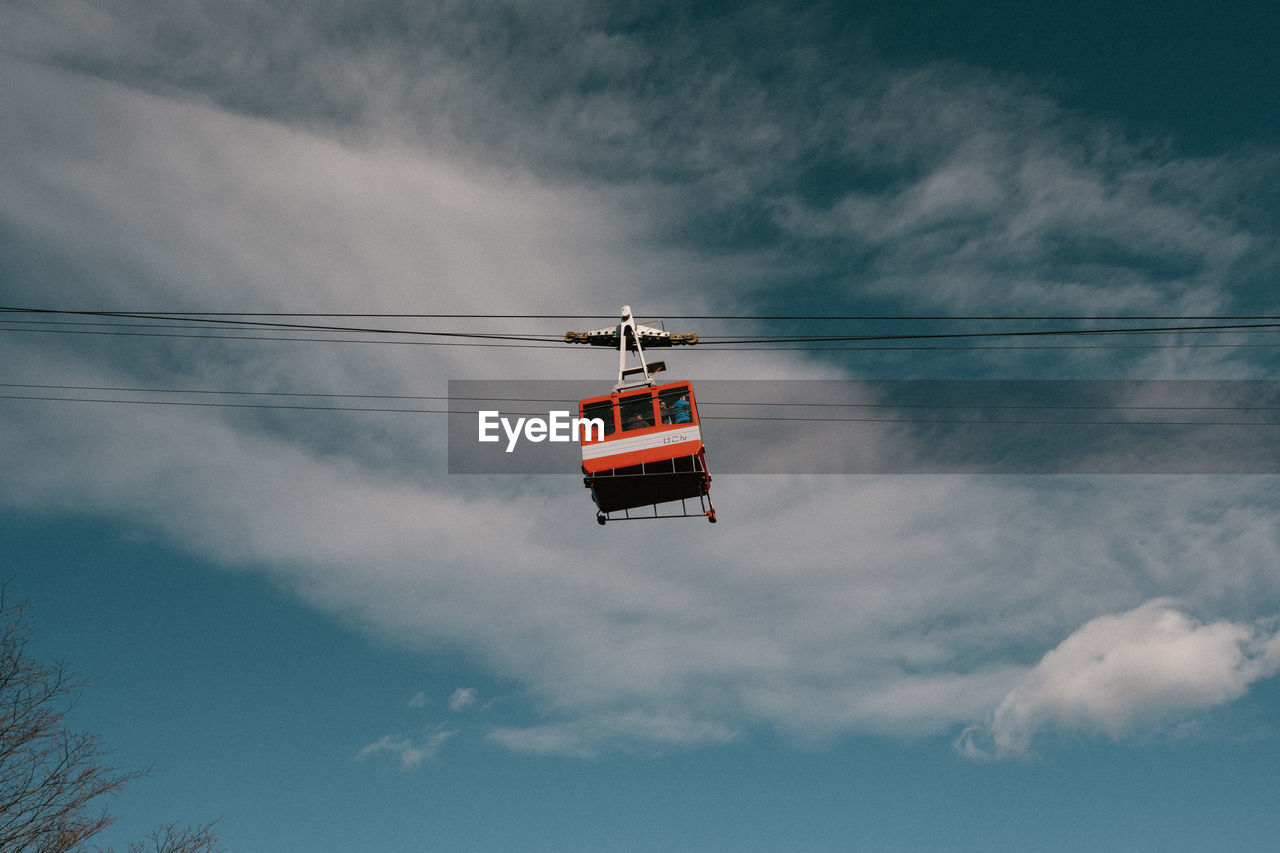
<point x="322" y="639"/>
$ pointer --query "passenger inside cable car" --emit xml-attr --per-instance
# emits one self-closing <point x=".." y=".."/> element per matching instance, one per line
<point x="636" y="411"/>
<point x="682" y="411"/>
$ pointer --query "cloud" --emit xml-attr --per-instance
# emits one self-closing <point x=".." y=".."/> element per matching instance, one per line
<point x="944" y="182"/>
<point x="996" y="195"/>
<point x="419" y="700"/>
<point x="214" y="165"/>
<point x="463" y="699"/>
<point x="587" y="736"/>
<point x="411" y="754"/>
<point x="834" y="605"/>
<point x="1118" y="673"/>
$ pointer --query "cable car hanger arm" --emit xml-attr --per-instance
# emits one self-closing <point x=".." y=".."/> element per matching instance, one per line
<point x="633" y="336"/>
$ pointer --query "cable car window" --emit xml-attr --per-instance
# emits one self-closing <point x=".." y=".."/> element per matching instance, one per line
<point x="602" y="410"/>
<point x="636" y="412"/>
<point x="675" y="406"/>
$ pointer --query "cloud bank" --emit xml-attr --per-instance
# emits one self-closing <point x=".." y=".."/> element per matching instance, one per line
<point x="162" y="159"/>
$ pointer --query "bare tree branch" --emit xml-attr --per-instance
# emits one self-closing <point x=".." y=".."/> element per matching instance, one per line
<point x="51" y="779"/>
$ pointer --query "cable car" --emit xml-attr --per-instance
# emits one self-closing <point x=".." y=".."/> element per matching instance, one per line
<point x="650" y="450"/>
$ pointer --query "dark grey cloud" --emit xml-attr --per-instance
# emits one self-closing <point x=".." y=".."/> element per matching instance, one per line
<point x="769" y="130"/>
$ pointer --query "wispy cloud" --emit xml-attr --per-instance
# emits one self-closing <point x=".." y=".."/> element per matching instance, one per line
<point x="587" y="736"/>
<point x="411" y="753"/>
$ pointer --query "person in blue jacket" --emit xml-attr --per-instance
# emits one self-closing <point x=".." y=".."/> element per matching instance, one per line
<point x="683" y="411"/>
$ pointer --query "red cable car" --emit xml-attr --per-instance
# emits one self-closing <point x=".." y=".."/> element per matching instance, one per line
<point x="650" y="449"/>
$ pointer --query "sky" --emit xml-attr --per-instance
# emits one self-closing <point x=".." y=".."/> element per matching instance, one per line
<point x="317" y="635"/>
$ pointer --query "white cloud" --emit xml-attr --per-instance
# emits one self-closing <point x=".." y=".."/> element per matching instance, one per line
<point x="817" y="606"/>
<point x="463" y="698"/>
<point x="1121" y="672"/>
<point x="419" y="700"/>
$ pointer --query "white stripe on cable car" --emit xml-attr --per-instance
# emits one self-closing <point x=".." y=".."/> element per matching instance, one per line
<point x="612" y="447"/>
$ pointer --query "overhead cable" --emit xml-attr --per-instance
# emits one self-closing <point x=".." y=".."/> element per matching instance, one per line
<point x="790" y="418"/>
<point x="727" y="342"/>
